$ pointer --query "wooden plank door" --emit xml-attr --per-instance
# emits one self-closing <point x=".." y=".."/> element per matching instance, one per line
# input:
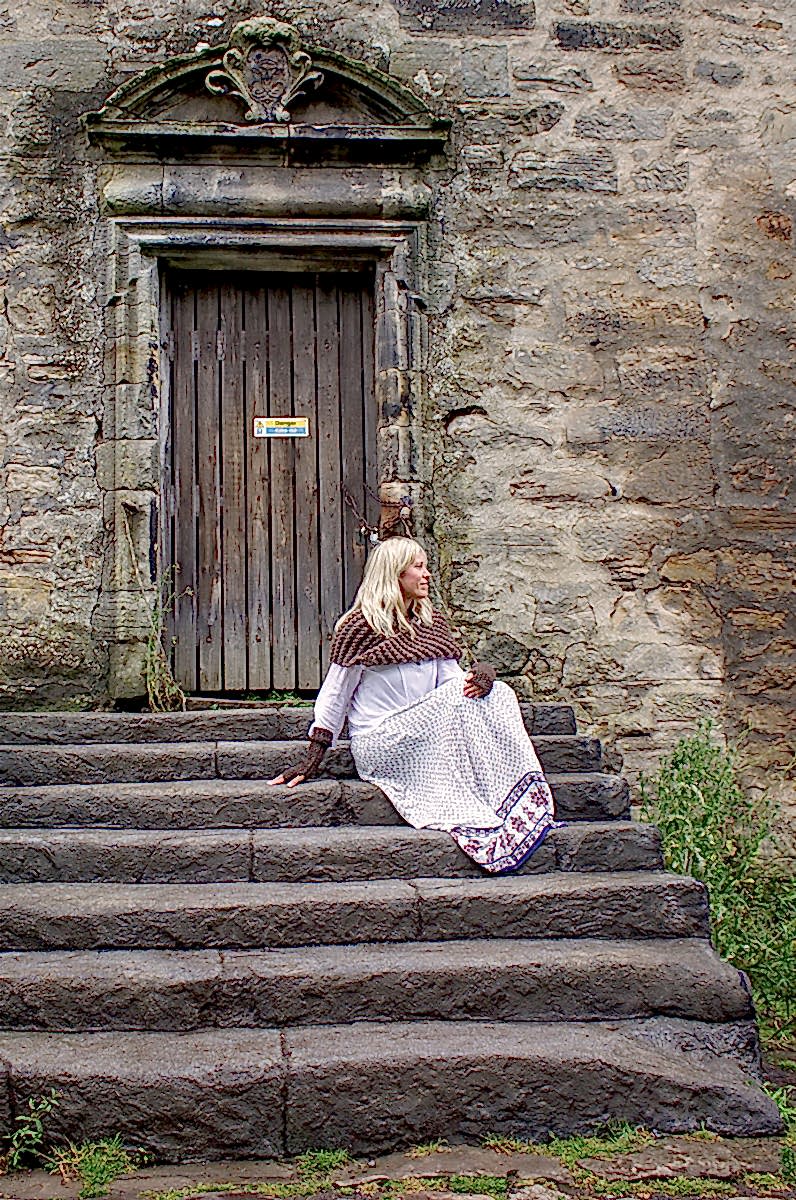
<point x="264" y="552"/>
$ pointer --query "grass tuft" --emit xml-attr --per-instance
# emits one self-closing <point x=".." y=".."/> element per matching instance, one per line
<point x="505" y="1145"/>
<point x="319" y="1164"/>
<point x="435" y="1146"/>
<point x="95" y="1164"/>
<point x="683" y="1186"/>
<point x="765" y="1184"/>
<point x="486" y="1185"/>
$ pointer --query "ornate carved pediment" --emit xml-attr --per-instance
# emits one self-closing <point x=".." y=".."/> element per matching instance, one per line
<point x="264" y="68"/>
<point x="265" y="94"/>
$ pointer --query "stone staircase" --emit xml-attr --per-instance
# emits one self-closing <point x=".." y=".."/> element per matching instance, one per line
<point x="217" y="968"/>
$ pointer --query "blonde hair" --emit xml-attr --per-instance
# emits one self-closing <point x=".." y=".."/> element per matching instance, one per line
<point x="379" y="597"/>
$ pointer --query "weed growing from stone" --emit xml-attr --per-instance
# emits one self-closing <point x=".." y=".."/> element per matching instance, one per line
<point x="712" y="829"/>
<point x="505" y="1145"/>
<point x="27" y="1140"/>
<point x="95" y="1164"/>
<point x="487" y="1185"/>
<point x="438" y="1146"/>
<point x="765" y="1185"/>
<point x="788" y="1159"/>
<point x="683" y="1186"/>
<point x="785" y="1100"/>
<point x="616" y="1138"/>
<point x="702" y="1135"/>
<point x="319" y="1164"/>
<point x="483" y="1185"/>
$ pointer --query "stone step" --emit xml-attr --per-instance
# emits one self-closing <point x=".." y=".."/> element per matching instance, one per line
<point x="223" y="803"/>
<point x="497" y="979"/>
<point x="369" y="1087"/>
<point x="95" y="916"/>
<point x="229" y="723"/>
<point x="147" y="762"/>
<point x="296" y="855"/>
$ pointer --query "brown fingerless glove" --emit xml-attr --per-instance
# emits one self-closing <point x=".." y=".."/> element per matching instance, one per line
<point x="320" y="741"/>
<point x="483" y="676"/>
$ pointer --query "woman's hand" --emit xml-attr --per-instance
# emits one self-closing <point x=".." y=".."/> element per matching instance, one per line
<point x="290" y="780"/>
<point x="320" y="741"/>
<point x="478" y="681"/>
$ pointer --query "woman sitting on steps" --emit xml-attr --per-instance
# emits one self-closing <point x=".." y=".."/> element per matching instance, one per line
<point x="449" y="749"/>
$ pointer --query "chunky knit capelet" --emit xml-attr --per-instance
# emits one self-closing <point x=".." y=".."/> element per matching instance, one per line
<point x="357" y="645"/>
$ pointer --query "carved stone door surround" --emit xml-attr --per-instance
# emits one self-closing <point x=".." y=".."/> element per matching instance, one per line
<point x="269" y="194"/>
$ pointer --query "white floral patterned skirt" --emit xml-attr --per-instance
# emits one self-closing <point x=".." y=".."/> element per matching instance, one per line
<point x="464" y="766"/>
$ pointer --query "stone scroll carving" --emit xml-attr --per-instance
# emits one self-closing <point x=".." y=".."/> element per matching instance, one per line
<point x="265" y="69"/>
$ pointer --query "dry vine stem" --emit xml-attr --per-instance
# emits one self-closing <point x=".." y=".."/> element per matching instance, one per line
<point x="163" y="692"/>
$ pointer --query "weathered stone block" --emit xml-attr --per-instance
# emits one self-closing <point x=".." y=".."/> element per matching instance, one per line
<point x="638" y="423"/>
<point x="129" y="464"/>
<point x="554" y="79"/>
<point x="483" y="158"/>
<point x="485" y="71"/>
<point x="697" y="567"/>
<point x="558" y="368"/>
<point x="431" y="65"/>
<point x="708" y="131"/>
<point x="663" y="370"/>
<point x="466" y="16"/>
<point x="650" y="8"/>
<point x="127" y="670"/>
<point x="723" y="74"/>
<point x="71" y="63"/>
<point x="628" y="125"/>
<point x="612" y="318"/>
<point x="662" y="177"/>
<point x="572" y="172"/>
<point x="562" y="483"/>
<point x="669" y="270"/>
<point x="602" y="35"/>
<point x="681" y="474"/>
<point x="664" y="74"/>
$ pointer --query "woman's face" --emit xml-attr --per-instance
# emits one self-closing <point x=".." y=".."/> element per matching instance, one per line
<point x="414" y="581"/>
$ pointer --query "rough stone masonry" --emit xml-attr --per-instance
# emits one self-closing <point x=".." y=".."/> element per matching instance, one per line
<point x="609" y="382"/>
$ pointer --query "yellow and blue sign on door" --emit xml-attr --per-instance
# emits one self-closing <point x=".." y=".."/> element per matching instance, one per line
<point x="265" y="427"/>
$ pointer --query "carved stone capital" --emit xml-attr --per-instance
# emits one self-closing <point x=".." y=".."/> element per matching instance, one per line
<point x="265" y="68"/>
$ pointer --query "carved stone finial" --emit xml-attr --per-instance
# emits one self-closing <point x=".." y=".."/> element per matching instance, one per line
<point x="265" y="68"/>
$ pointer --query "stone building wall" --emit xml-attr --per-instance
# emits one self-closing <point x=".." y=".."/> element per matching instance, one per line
<point x="609" y="298"/>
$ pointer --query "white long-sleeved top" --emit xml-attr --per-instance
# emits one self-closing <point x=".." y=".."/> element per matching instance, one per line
<point x="366" y="695"/>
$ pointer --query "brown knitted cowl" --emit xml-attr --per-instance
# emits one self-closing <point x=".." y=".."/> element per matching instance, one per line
<point x="357" y="645"/>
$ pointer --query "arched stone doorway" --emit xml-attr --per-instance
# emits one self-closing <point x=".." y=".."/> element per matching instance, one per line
<point x="266" y="228"/>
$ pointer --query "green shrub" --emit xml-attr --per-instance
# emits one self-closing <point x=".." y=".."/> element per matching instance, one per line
<point x="717" y="832"/>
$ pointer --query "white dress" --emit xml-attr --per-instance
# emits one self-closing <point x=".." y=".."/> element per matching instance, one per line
<point x="445" y="761"/>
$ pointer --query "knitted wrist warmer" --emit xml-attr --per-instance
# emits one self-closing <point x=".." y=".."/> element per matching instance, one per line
<point x="483" y="676"/>
<point x="320" y="741"/>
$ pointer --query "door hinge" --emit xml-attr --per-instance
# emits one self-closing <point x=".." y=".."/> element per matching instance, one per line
<point x="221" y="343"/>
<point x="195" y="345"/>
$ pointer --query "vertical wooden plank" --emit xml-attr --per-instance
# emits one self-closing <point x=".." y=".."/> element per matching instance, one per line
<point x="306" y="489"/>
<point x="370" y="419"/>
<point x="209" y="630"/>
<point x="184" y="582"/>
<point x="330" y="531"/>
<point x="352" y="433"/>
<point x="258" y="540"/>
<point x="233" y="511"/>
<point x="283" y="568"/>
